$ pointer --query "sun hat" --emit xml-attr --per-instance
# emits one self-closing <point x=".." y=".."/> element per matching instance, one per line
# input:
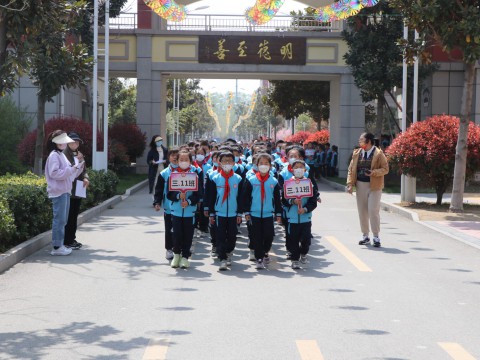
<point x="62" y="139"/>
<point x="158" y="138"/>
<point x="74" y="136"/>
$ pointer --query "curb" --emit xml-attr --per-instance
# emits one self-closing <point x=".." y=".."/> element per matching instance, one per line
<point x="384" y="205"/>
<point x="28" y="247"/>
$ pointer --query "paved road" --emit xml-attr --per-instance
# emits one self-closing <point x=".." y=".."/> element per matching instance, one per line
<point x="415" y="298"/>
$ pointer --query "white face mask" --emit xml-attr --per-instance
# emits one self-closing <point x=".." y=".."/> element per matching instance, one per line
<point x="291" y="160"/>
<point x="227" y="167"/>
<point x="200" y="157"/>
<point x="62" y="146"/>
<point x="298" y="173"/>
<point x="263" y="169"/>
<point x="184" y="165"/>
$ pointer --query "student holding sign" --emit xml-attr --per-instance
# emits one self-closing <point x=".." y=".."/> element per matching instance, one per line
<point x="299" y="199"/>
<point x="161" y="190"/>
<point x="185" y="191"/>
<point x="264" y="187"/>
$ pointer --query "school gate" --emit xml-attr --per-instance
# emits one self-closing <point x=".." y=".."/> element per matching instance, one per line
<point x="148" y="48"/>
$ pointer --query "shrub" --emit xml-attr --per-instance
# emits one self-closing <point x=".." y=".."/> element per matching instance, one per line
<point x="7" y="223"/>
<point x="117" y="156"/>
<point x="103" y="185"/>
<point x="427" y="151"/>
<point x="321" y="137"/>
<point x="298" y="137"/>
<point x="14" y="125"/>
<point x="131" y="137"/>
<point x="27" y="200"/>
<point x="26" y="148"/>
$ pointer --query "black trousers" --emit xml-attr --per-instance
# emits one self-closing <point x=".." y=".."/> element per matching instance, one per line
<point x="182" y="235"/>
<point x="202" y="219"/>
<point x="71" y="227"/>
<point x="213" y="234"/>
<point x="168" y="231"/>
<point x="263" y="233"/>
<point x="300" y="238"/>
<point x="152" y="173"/>
<point x="226" y="235"/>
<point x="287" y="235"/>
<point x="251" y="245"/>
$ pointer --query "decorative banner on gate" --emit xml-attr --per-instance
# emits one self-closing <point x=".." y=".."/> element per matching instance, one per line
<point x="263" y="11"/>
<point x="183" y="181"/>
<point x="343" y="9"/>
<point x="217" y="49"/>
<point x="167" y="9"/>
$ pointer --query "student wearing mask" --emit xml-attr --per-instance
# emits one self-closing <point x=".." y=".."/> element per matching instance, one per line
<point x="161" y="190"/>
<point x="224" y="192"/>
<point x="60" y="174"/>
<point x="366" y="172"/>
<point x="74" y="156"/>
<point x="261" y="203"/>
<point x="299" y="214"/>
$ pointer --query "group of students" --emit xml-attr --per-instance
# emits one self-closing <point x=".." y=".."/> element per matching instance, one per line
<point x="233" y="183"/>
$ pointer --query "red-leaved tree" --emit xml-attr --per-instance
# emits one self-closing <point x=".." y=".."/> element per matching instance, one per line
<point x="427" y="151"/>
<point x="26" y="148"/>
<point x="299" y="137"/>
<point x="321" y="137"/>
<point x="131" y="137"/>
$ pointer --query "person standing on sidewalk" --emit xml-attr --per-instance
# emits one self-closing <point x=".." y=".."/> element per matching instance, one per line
<point x="157" y="160"/>
<point x="60" y="174"/>
<point x="74" y="156"/>
<point x="366" y="172"/>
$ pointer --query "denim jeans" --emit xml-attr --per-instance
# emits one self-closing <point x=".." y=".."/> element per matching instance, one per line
<point x="60" y="205"/>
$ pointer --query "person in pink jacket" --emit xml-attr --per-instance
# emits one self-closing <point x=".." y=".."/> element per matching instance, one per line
<point x="60" y="174"/>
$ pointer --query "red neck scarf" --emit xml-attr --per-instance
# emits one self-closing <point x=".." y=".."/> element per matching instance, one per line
<point x="179" y="169"/>
<point x="227" y="185"/>
<point x="262" y="179"/>
<point x="290" y="168"/>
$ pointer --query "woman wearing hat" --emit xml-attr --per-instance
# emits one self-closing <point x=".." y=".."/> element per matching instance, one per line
<point x="74" y="156"/>
<point x="157" y="160"/>
<point x="60" y="175"/>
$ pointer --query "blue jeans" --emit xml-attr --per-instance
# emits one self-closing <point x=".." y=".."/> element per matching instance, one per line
<point x="60" y="205"/>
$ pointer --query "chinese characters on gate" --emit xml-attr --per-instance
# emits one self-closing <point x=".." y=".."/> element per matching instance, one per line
<point x="252" y="50"/>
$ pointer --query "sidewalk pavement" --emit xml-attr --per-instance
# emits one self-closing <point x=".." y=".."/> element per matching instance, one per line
<point x="467" y="232"/>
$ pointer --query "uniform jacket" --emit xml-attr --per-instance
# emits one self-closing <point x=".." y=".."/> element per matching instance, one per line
<point x="252" y="195"/>
<point x="161" y="190"/>
<point x="193" y="198"/>
<point x="291" y="209"/>
<point x="216" y="189"/>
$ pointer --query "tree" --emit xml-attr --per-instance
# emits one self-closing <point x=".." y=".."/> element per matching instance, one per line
<point x="122" y="100"/>
<point x="305" y="123"/>
<point x="451" y="25"/>
<point x="56" y="60"/>
<point x="427" y="151"/>
<point x="374" y="56"/>
<point x="293" y="98"/>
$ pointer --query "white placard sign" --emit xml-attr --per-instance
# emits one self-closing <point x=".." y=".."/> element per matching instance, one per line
<point x="297" y="188"/>
<point x="183" y="181"/>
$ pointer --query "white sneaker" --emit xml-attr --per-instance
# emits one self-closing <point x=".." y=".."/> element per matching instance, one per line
<point x="61" y="251"/>
<point x="169" y="255"/>
<point x="251" y="256"/>
<point x="266" y="260"/>
<point x="229" y="259"/>
<point x="295" y="265"/>
<point x="303" y="259"/>
<point x="223" y="265"/>
<point x="259" y="265"/>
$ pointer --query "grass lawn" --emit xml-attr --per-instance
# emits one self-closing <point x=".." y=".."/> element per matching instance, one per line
<point x="129" y="180"/>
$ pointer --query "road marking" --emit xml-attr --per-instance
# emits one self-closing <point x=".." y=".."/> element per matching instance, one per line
<point x="456" y="351"/>
<point x="359" y="264"/>
<point x="156" y="349"/>
<point x="309" y="350"/>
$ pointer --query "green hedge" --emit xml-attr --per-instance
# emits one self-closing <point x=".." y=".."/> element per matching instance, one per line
<point x="26" y="210"/>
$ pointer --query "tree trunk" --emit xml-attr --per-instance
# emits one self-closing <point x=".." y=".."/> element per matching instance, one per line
<point x="3" y="42"/>
<point x="37" y="164"/>
<point x="456" y="204"/>
<point x="380" y="117"/>
<point x="319" y="125"/>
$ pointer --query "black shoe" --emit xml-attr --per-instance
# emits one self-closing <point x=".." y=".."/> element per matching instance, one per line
<point x="364" y="241"/>
<point x="75" y="245"/>
<point x="376" y="242"/>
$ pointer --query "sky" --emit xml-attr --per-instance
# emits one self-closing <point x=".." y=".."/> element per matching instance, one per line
<point x="231" y="7"/>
